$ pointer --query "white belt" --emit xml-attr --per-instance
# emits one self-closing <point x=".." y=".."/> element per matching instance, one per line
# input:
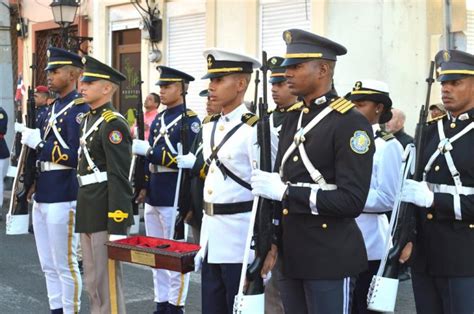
<point x="159" y="169"/>
<point x="92" y="178"/>
<point x="50" y="166"/>
<point x="450" y="189"/>
<point x="314" y="186"/>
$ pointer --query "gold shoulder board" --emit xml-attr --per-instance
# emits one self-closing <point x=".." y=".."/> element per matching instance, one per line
<point x="341" y="105"/>
<point x="296" y="106"/>
<point x="249" y="118"/>
<point x="109" y="115"/>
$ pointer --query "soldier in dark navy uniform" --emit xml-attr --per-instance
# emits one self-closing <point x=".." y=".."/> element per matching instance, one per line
<point x="4" y="152"/>
<point x="161" y="201"/>
<point x="104" y="202"/>
<point x="443" y="259"/>
<point x="56" y="142"/>
<point x="325" y="162"/>
<point x="41" y="103"/>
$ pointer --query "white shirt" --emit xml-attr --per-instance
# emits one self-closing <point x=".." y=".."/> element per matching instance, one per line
<point x="383" y="189"/>
<point x="226" y="234"/>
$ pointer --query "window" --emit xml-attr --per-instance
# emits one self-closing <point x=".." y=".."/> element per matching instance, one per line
<point x="186" y="43"/>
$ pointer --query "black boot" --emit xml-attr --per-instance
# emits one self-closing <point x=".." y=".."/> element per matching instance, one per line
<point x="175" y="309"/>
<point x="161" y="308"/>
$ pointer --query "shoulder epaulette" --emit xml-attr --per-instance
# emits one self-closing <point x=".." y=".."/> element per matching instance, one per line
<point x="432" y="120"/>
<point x="296" y="106"/>
<point x="109" y="115"/>
<point x="79" y="101"/>
<point x="210" y="118"/>
<point x="190" y="113"/>
<point x="341" y="105"/>
<point x="385" y="135"/>
<point x="249" y="118"/>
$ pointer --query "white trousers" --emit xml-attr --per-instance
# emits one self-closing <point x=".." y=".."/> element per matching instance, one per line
<point x="169" y="286"/>
<point x="56" y="243"/>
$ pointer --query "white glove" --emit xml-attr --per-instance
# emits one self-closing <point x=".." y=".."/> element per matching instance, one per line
<point x="140" y="147"/>
<point x="417" y="193"/>
<point x="198" y="259"/>
<point x="31" y="137"/>
<point x="186" y="161"/>
<point x="115" y="237"/>
<point x="267" y="185"/>
<point x="19" y="127"/>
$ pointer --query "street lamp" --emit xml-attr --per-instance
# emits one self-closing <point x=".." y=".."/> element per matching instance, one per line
<point x="64" y="13"/>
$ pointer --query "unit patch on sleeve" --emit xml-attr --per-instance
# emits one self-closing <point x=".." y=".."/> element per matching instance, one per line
<point x="115" y="137"/>
<point x="360" y="142"/>
<point x="195" y="127"/>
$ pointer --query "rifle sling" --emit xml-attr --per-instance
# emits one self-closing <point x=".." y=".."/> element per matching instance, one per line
<point x="225" y="171"/>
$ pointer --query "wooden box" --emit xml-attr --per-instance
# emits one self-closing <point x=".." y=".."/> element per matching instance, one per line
<point x="154" y="252"/>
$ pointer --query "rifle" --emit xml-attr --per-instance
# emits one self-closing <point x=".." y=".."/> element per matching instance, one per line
<point x="382" y="293"/>
<point x="253" y="107"/>
<point x="263" y="227"/>
<point x="184" y="181"/>
<point x="137" y="167"/>
<point x="26" y="173"/>
<point x="407" y="211"/>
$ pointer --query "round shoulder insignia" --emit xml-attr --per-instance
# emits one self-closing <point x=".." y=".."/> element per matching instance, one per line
<point x="287" y="36"/>
<point x="360" y="142"/>
<point x="195" y="127"/>
<point x="1" y="116"/>
<point x="115" y="137"/>
<point x="79" y="117"/>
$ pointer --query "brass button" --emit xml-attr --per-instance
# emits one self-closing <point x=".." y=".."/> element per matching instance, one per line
<point x="305" y="110"/>
<point x="285" y="211"/>
<point x="429" y="216"/>
<point x="93" y="111"/>
<point x="324" y="226"/>
<point x="295" y="158"/>
<point x="212" y="170"/>
<point x="61" y="120"/>
<point x="155" y="131"/>
<point x="221" y="128"/>
<point x="65" y="113"/>
<point x="471" y="226"/>
<point x="59" y="129"/>
<point x="452" y="125"/>
<point x="89" y="168"/>
<point x="162" y="148"/>
<point x="437" y="168"/>
<point x="55" y="142"/>
<point x="209" y="191"/>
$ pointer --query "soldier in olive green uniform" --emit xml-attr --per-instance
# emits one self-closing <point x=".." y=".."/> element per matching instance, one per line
<point x="104" y="202"/>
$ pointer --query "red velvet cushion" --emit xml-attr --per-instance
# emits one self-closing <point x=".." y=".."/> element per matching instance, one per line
<point x="162" y="244"/>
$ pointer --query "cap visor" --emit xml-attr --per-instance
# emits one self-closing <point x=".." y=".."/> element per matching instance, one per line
<point x="451" y="77"/>
<point x="293" y="61"/>
<point x="275" y="80"/>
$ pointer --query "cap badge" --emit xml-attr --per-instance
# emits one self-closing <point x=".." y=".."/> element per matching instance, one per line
<point x="273" y="61"/>
<point x="48" y="53"/>
<point x="358" y="85"/>
<point x="209" y="61"/>
<point x="288" y="37"/>
<point x="446" y="56"/>
<point x="83" y="60"/>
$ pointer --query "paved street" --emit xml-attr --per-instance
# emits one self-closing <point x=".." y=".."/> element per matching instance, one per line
<point x="22" y="286"/>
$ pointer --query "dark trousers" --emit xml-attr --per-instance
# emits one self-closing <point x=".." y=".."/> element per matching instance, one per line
<point x="305" y="296"/>
<point x="443" y="295"/>
<point x="220" y="285"/>
<point x="362" y="288"/>
<point x="273" y="303"/>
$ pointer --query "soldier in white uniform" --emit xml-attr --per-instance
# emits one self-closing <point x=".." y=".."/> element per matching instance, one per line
<point x="227" y="192"/>
<point x="373" y="101"/>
